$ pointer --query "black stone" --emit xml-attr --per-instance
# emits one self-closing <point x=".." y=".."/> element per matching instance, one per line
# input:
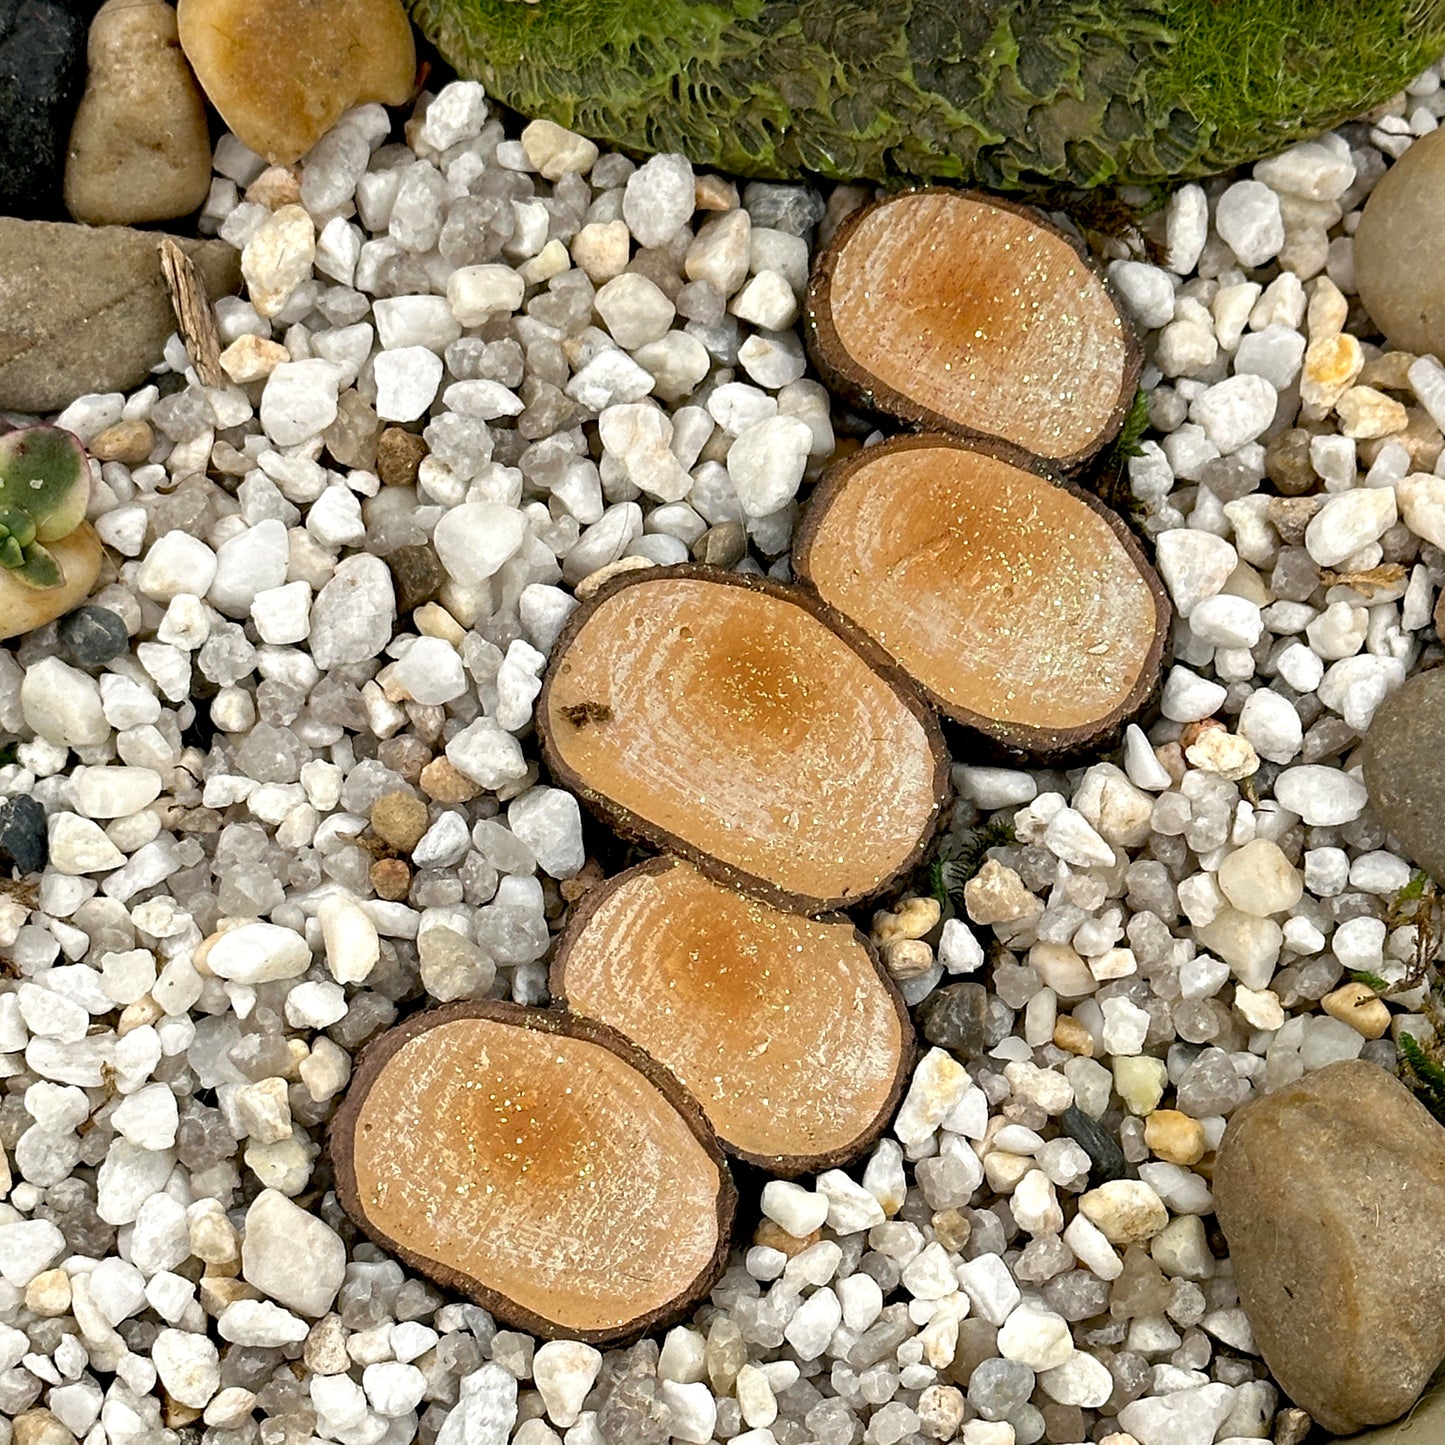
<point x="1097" y="1142"/>
<point x="418" y="574"/>
<point x="92" y="636"/>
<point x="23" y="839"/>
<point x="955" y="1018"/>
<point x="42" y="73"/>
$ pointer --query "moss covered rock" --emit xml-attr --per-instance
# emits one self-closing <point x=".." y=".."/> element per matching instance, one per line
<point x="1005" y="93"/>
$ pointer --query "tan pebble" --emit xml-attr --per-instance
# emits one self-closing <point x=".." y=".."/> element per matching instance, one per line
<point x="433" y="620"/>
<point x="581" y="883"/>
<point x="275" y="187"/>
<point x="218" y="1291"/>
<point x="231" y="1408"/>
<point x="1368" y="413"/>
<point x="1174" y="1137"/>
<point x="138" y="1015"/>
<point x="1331" y="365"/>
<point x="1071" y="1036"/>
<point x="1421" y="438"/>
<point x="140" y="148"/>
<point x="391" y="879"/>
<point x="127" y="441"/>
<point x="912" y="918"/>
<point x="1225" y="753"/>
<point x="593" y="582"/>
<point x="1289" y="516"/>
<point x="1328" y="309"/>
<point x="556" y="151"/>
<point x="1390" y="371"/>
<point x="1261" y="1008"/>
<point x="907" y="958"/>
<point x="278" y="258"/>
<point x="1171" y="759"/>
<point x="952" y="1228"/>
<point x="996" y="894"/>
<point x="1358" y="1005"/>
<point x="279" y="77"/>
<point x="772" y="1235"/>
<point x="441" y="782"/>
<point x="177" y="1416"/>
<point x="48" y="1294"/>
<point x="252" y="358"/>
<point x="713" y="193"/>
<point x="399" y="819"/>
<point x="399" y="455"/>
<point x="601" y="249"/>
<point x="39" y="1427"/>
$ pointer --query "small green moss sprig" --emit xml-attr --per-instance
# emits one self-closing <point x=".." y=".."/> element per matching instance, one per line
<point x="957" y="858"/>
<point x="44" y="491"/>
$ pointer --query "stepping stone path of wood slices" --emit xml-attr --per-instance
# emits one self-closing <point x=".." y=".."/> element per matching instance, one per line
<point x="566" y="1167"/>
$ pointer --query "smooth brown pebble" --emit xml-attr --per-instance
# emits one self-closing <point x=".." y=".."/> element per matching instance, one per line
<point x="442" y="783"/>
<point x="1399" y="250"/>
<point x="279" y="73"/>
<point x="399" y="454"/>
<point x="390" y="879"/>
<point x="399" y="819"/>
<point x="127" y="441"/>
<point x="140" y="148"/>
<point x="1331" y="1193"/>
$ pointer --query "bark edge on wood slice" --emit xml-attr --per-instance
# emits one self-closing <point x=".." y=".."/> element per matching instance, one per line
<point x="734" y="679"/>
<point x="786" y="1029"/>
<point x="896" y="537"/>
<point x="402" y="1076"/>
<point x="926" y="325"/>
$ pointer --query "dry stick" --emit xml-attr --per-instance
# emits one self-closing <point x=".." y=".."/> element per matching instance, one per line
<point x="1022" y="606"/>
<point x="540" y="1164"/>
<point x="965" y="313"/>
<point x="193" y="312"/>
<point x="786" y="1029"/>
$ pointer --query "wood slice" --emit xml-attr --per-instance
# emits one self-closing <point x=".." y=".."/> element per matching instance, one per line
<point x="967" y="314"/>
<point x="746" y="726"/>
<point x="786" y="1029"/>
<point x="538" y="1163"/>
<point x="1022" y="606"/>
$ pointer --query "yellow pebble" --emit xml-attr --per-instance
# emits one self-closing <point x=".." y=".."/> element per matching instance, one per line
<point x="1358" y="1005"/>
<point x="1174" y="1137"/>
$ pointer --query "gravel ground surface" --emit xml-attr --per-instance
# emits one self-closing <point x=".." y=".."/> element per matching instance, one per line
<point x="605" y="361"/>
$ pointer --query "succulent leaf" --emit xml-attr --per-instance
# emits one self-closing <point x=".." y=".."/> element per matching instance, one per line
<point x="37" y="568"/>
<point x="45" y="475"/>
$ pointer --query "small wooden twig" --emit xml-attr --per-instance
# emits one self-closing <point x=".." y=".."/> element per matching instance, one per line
<point x="193" y="312"/>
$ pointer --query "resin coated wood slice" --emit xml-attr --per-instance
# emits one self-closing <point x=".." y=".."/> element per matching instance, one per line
<point x="538" y="1163"/>
<point x="785" y="1028"/>
<point x="964" y="313"/>
<point x="1022" y="606"/>
<point x="745" y="726"/>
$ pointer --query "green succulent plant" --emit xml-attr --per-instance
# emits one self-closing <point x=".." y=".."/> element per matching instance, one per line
<point x="44" y="491"/>
<point x="1009" y="94"/>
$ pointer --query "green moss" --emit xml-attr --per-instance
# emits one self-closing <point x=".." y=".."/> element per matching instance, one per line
<point x="1005" y="93"/>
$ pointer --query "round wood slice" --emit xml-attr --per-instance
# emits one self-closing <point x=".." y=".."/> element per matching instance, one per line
<point x="976" y="316"/>
<point x="538" y="1163"/>
<point x="1022" y="606"/>
<point x="786" y="1029"/>
<point x="746" y="726"/>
